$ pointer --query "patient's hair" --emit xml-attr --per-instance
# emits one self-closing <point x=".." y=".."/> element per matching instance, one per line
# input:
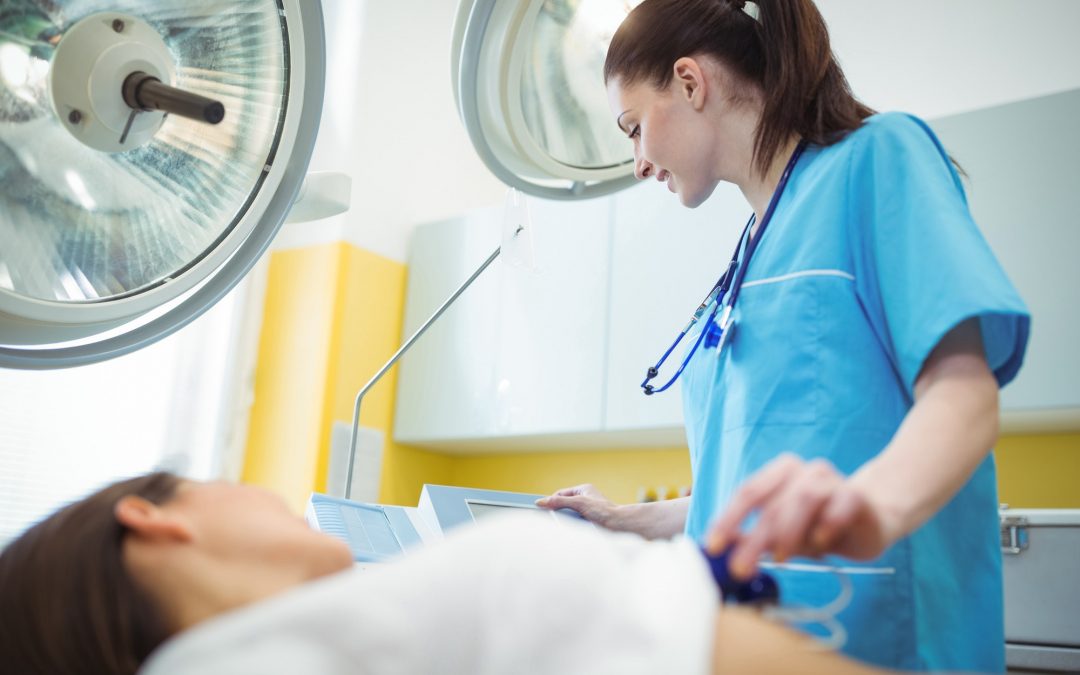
<point x="67" y="602"/>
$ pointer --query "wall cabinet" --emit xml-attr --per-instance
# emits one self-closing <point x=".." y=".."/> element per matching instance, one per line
<point x="1024" y="191"/>
<point x="555" y="357"/>
<point x="521" y="353"/>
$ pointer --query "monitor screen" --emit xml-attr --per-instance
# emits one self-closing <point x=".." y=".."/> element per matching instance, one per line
<point x="483" y="509"/>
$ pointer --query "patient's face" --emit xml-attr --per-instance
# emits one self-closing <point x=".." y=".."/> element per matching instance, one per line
<point x="248" y="523"/>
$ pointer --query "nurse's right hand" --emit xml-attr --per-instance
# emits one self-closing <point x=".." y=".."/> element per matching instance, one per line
<point x="586" y="500"/>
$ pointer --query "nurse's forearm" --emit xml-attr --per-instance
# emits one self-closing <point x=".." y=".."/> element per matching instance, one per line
<point x="652" y="520"/>
<point x="943" y="439"/>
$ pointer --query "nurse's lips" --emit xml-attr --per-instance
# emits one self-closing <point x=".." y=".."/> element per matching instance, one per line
<point x="664" y="176"/>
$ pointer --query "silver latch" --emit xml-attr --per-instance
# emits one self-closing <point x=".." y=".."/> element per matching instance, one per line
<point x="1014" y="536"/>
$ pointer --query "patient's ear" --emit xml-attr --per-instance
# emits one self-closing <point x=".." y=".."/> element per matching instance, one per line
<point x="149" y="520"/>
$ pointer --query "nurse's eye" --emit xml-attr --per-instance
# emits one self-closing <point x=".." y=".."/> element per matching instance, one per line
<point x="635" y="132"/>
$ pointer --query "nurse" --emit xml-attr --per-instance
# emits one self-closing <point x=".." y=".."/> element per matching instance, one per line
<point x="849" y="407"/>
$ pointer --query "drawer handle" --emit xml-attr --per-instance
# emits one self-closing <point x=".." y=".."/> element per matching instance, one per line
<point x="1014" y="536"/>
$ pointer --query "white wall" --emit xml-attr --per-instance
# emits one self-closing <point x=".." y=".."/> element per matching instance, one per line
<point x="941" y="57"/>
<point x="389" y="121"/>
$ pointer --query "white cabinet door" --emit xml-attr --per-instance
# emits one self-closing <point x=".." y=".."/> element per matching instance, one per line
<point x="446" y="381"/>
<point x="665" y="260"/>
<point x="1022" y="186"/>
<point x="553" y="330"/>
<point x="521" y="353"/>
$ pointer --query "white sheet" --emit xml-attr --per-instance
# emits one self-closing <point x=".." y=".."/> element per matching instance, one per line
<point x="519" y="594"/>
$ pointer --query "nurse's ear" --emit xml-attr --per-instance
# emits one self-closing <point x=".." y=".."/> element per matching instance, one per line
<point x="689" y="81"/>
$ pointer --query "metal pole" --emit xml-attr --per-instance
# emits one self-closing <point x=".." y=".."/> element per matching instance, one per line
<point x="393" y="359"/>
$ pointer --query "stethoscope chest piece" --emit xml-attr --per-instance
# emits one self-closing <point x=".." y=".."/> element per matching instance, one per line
<point x="717" y="336"/>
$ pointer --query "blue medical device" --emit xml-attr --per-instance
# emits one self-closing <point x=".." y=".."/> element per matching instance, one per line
<point x="760" y="589"/>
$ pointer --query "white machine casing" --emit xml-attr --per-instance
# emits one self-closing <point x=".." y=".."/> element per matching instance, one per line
<point x="376" y="533"/>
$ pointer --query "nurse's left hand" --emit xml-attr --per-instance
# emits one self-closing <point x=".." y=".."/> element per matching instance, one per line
<point x="806" y="508"/>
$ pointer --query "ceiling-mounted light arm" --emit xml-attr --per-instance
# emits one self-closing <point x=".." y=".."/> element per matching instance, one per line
<point x="468" y="84"/>
<point x="143" y="91"/>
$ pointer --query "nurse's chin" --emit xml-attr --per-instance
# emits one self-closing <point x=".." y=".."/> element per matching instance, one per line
<point x="692" y="199"/>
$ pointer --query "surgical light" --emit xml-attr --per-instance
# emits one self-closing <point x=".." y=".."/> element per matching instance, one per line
<point x="149" y="152"/>
<point x="528" y="83"/>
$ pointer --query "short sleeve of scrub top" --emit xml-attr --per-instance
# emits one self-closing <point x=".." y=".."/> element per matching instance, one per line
<point x="921" y="264"/>
<point x="871" y="258"/>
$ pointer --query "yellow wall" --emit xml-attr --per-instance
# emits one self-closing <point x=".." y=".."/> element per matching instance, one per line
<point x="1034" y="471"/>
<point x="333" y="316"/>
<point x="618" y="474"/>
<point x="1039" y="471"/>
<point x="286" y="425"/>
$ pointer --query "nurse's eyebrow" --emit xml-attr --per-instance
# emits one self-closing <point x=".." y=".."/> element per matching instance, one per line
<point x="618" y="121"/>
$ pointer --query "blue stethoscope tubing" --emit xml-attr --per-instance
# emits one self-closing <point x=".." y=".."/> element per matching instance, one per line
<point x="731" y="281"/>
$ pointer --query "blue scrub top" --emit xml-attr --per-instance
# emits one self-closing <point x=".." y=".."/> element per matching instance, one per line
<point x="870" y="259"/>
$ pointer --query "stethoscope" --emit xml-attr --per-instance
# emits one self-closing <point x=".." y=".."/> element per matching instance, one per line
<point x="715" y="334"/>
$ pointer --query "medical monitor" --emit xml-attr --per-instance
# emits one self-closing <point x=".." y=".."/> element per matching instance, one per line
<point x="447" y="506"/>
<point x="480" y="509"/>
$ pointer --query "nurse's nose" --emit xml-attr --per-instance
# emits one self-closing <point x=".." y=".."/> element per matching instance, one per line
<point x="643" y="168"/>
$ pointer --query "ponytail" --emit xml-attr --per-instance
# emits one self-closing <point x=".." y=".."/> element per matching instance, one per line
<point x="784" y="51"/>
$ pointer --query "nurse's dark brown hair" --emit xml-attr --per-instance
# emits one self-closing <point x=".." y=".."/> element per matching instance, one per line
<point x="67" y="602"/>
<point x="784" y="51"/>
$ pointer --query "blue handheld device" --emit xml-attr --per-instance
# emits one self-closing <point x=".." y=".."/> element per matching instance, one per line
<point x="760" y="589"/>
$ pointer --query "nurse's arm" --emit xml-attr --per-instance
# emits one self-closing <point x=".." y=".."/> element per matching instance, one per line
<point x="942" y="440"/>
<point x="652" y="520"/>
<point x="809" y="508"/>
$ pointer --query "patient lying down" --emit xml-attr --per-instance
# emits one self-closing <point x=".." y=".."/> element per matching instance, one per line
<point x="180" y="577"/>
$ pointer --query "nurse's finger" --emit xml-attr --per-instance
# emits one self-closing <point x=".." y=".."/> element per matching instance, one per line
<point x="744" y="554"/>
<point x="798" y="507"/>
<point x="546" y="502"/>
<point x="560" y="501"/>
<point x="754" y="492"/>
<point x="583" y="489"/>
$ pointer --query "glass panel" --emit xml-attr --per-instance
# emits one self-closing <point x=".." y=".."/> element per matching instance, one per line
<point x="80" y="225"/>
<point x="563" y="96"/>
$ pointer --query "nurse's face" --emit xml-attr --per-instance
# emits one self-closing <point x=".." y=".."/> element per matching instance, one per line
<point x="690" y="135"/>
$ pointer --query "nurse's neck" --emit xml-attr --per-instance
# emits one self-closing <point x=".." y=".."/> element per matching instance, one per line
<point x="759" y="190"/>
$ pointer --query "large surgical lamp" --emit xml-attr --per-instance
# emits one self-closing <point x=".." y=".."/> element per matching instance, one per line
<point x="149" y="152"/>
<point x="527" y="75"/>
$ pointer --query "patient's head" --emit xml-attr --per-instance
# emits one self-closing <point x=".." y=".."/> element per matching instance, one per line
<point x="101" y="583"/>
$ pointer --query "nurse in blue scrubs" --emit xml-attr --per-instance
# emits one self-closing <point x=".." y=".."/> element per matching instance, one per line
<point x="846" y="412"/>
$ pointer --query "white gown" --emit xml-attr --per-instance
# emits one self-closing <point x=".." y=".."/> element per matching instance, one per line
<point x="518" y="594"/>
